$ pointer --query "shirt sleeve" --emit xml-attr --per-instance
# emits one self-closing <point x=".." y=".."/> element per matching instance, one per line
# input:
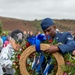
<point x="69" y="44"/>
<point x="5" y="58"/>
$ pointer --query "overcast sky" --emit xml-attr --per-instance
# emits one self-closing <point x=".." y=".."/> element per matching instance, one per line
<point x="38" y="9"/>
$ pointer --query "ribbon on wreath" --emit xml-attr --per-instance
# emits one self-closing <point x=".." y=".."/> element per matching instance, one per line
<point x="49" y="67"/>
<point x="41" y="58"/>
<point x="40" y="38"/>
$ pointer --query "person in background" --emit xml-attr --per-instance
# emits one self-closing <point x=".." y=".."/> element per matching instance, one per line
<point x="31" y="34"/>
<point x="73" y="53"/>
<point x="73" y="36"/>
<point x="28" y="34"/>
<point x="1" y="44"/>
<point x="15" y="40"/>
<point x="4" y="37"/>
<point x="30" y="37"/>
<point x="37" y="33"/>
<point x="25" y="35"/>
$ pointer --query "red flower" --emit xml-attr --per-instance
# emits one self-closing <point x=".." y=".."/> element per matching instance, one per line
<point x="32" y="55"/>
<point x="31" y="71"/>
<point x="15" y="62"/>
<point x="27" y="44"/>
<point x="18" y="56"/>
<point x="27" y="65"/>
<point x="50" y="40"/>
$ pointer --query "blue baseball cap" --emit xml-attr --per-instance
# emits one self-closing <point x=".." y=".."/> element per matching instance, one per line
<point x="47" y="22"/>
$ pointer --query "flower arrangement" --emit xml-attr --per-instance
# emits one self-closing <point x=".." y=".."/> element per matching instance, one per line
<point x="69" y="67"/>
<point x="69" y="61"/>
<point x="16" y="57"/>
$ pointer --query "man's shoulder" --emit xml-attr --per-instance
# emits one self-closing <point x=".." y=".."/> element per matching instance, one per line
<point x="65" y="33"/>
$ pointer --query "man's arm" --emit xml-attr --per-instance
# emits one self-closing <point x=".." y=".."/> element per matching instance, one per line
<point x="69" y="44"/>
<point x="52" y="49"/>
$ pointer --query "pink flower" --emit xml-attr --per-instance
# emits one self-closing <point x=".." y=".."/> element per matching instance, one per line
<point x="65" y="74"/>
<point x="6" y="43"/>
<point x="16" y="67"/>
<point x="68" y="63"/>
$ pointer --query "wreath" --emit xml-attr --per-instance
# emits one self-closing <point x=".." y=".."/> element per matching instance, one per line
<point x="31" y="51"/>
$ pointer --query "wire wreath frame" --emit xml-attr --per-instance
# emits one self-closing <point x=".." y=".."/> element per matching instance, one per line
<point x="59" y="58"/>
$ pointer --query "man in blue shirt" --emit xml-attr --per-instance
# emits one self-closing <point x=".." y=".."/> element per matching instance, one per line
<point x="68" y="43"/>
<point x="64" y="39"/>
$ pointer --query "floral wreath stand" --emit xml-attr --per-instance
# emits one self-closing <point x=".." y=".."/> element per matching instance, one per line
<point x="59" y="58"/>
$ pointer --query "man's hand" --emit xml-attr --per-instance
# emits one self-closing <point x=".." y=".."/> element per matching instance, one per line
<point x="73" y="53"/>
<point x="52" y="49"/>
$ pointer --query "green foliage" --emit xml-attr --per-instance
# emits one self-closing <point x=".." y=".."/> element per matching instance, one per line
<point x="54" y="42"/>
<point x="36" y="24"/>
<point x="69" y="67"/>
<point x="6" y="32"/>
<point x="15" y="58"/>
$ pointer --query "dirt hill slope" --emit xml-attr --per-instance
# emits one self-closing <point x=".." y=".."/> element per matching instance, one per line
<point x="65" y="25"/>
<point x="11" y="24"/>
